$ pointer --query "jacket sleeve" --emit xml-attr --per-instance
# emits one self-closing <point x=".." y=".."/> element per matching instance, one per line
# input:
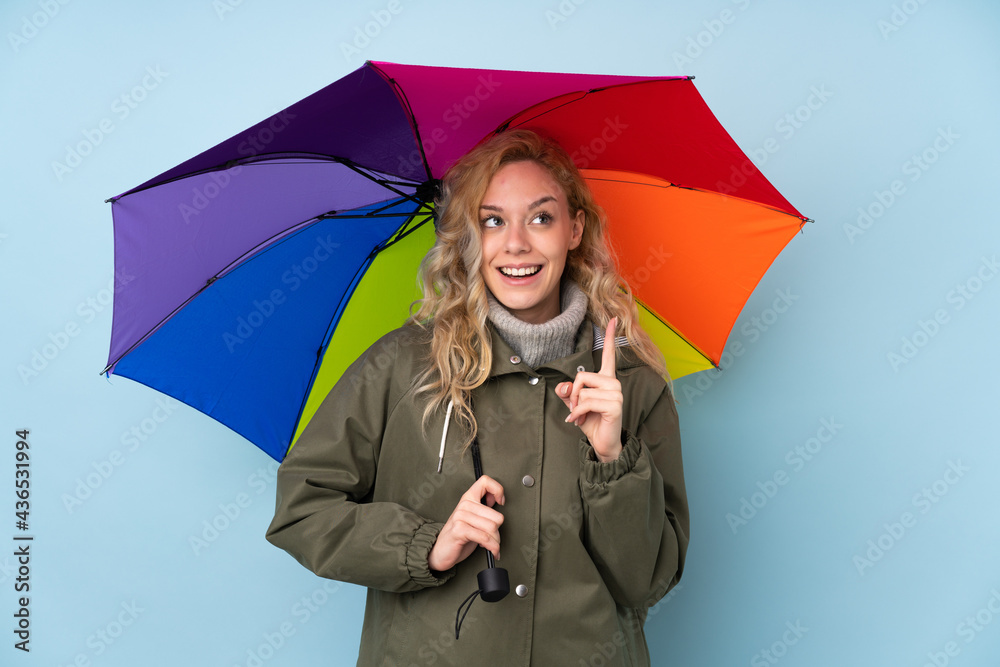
<point x="636" y="518"/>
<point x="324" y="516"/>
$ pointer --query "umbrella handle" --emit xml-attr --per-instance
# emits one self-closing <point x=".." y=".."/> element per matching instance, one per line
<point x="494" y="582"/>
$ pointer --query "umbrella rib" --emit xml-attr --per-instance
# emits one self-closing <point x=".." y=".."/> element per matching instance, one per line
<point x="155" y="327"/>
<point x="276" y="239"/>
<point x="356" y="216"/>
<point x="388" y="182"/>
<point x="272" y="241"/>
<point x="392" y="202"/>
<point x="582" y="94"/>
<point x="404" y="100"/>
<point x="264" y="158"/>
<point x="667" y="184"/>
<point x="383" y="182"/>
<point x="677" y="333"/>
<point x="506" y="124"/>
<point x="749" y="201"/>
<point x="404" y="232"/>
<point x="201" y="289"/>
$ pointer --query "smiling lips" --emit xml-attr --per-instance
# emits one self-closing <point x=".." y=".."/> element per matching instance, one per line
<point x="519" y="272"/>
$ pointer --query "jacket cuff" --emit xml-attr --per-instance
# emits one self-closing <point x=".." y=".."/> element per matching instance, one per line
<point x="596" y="472"/>
<point x="417" y="552"/>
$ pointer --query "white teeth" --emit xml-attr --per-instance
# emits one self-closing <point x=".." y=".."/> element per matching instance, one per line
<point x="520" y="272"/>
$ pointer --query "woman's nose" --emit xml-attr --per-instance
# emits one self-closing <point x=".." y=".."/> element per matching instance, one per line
<point x="516" y="239"/>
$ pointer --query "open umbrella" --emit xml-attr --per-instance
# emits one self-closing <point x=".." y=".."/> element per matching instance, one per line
<point x="260" y="269"/>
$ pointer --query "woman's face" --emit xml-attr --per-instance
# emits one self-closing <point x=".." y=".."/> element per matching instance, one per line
<point x="527" y="232"/>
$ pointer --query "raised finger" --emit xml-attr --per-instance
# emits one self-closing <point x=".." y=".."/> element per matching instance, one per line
<point x="608" y="354"/>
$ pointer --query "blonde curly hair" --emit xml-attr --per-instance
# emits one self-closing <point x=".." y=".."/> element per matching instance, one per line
<point x="454" y="306"/>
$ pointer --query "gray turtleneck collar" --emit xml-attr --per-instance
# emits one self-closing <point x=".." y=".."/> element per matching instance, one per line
<point x="538" y="344"/>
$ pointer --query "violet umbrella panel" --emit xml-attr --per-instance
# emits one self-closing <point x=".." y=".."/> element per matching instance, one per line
<point x="253" y="274"/>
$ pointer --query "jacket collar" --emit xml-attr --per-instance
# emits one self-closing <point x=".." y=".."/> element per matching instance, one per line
<point x="584" y="355"/>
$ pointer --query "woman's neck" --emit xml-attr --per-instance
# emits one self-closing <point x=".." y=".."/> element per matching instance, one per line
<point x="538" y="344"/>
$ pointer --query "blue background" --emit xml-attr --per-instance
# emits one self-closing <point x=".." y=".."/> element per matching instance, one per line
<point x="116" y="578"/>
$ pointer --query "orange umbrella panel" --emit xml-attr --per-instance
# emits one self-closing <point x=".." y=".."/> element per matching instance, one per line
<point x="692" y="257"/>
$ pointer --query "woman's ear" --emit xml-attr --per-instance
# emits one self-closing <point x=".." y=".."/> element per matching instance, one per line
<point x="578" y="223"/>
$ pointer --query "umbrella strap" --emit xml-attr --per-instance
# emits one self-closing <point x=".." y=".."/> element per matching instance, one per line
<point x="460" y="616"/>
<point x="478" y="467"/>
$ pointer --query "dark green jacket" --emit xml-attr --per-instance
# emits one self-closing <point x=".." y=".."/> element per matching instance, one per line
<point x="593" y="544"/>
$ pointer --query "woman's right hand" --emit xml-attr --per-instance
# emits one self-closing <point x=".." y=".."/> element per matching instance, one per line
<point x="471" y="525"/>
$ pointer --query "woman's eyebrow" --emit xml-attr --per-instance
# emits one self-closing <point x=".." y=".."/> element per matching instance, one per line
<point x="535" y="204"/>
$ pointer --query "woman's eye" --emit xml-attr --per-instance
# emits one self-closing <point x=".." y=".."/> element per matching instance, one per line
<point x="542" y="218"/>
<point x="492" y="221"/>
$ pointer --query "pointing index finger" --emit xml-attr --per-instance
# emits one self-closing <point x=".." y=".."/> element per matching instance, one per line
<point x="608" y="355"/>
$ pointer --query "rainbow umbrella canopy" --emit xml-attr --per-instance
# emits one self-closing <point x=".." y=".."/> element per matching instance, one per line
<point x="253" y="274"/>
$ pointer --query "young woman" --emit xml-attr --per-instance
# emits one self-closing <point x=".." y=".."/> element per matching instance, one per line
<point x="527" y="342"/>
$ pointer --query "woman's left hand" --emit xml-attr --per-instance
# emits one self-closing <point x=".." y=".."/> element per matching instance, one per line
<point x="595" y="402"/>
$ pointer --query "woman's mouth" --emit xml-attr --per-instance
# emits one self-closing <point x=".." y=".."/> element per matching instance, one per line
<point x="520" y="272"/>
